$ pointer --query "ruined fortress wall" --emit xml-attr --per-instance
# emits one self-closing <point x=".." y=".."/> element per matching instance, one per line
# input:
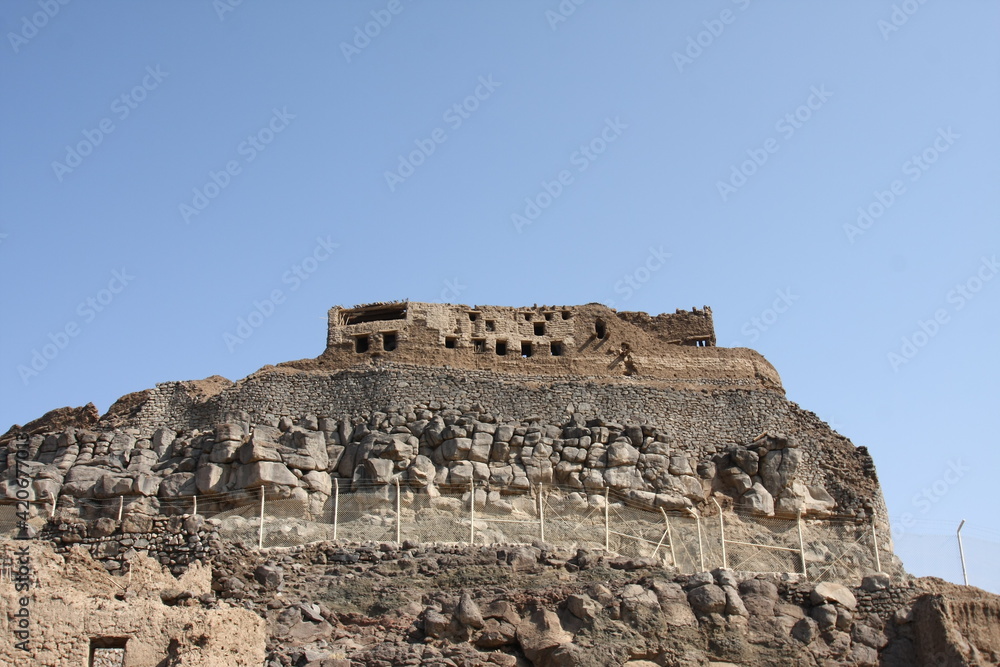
<point x="697" y="422"/>
<point x="590" y="340"/>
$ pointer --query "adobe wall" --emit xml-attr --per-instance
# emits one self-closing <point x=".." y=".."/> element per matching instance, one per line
<point x="72" y="601"/>
<point x="590" y="340"/>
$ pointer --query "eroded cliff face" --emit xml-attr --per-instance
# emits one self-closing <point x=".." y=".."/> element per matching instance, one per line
<point x="389" y="604"/>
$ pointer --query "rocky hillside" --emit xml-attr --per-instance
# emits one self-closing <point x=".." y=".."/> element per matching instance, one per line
<point x="338" y="605"/>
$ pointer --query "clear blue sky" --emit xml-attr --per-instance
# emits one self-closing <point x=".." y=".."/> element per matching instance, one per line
<point x="213" y="157"/>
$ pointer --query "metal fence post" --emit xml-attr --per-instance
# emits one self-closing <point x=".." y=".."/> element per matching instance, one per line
<point x="541" y="513"/>
<point x="195" y="508"/>
<point x="607" y="523"/>
<point x="722" y="534"/>
<point x="336" y="508"/>
<point x="961" y="552"/>
<point x="701" y="549"/>
<point x="399" y="515"/>
<point x="802" y="548"/>
<point x="121" y="506"/>
<point x="260" y="531"/>
<point x="878" y="561"/>
<point x="670" y="538"/>
<point x="472" y="512"/>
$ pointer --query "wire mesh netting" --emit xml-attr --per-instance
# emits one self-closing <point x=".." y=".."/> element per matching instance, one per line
<point x="569" y="518"/>
<point x="847" y="556"/>
<point x="762" y="544"/>
<point x="570" y="521"/>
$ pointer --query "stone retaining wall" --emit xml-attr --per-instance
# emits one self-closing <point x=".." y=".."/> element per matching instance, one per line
<point x="175" y="542"/>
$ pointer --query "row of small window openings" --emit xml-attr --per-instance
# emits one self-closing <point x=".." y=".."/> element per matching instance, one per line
<point x="479" y="346"/>
<point x="474" y="316"/>
<point x="491" y="325"/>
<point x="389" y="342"/>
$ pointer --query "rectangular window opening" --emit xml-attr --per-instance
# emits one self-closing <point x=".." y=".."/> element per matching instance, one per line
<point x="491" y="325"/>
<point x="501" y="347"/>
<point x="450" y="342"/>
<point x="360" y="344"/>
<point x="473" y="317"/>
<point x="600" y="329"/>
<point x="539" y="328"/>
<point x="389" y="341"/>
<point x="525" y="349"/>
<point x="478" y="344"/>
<point x="374" y="313"/>
<point x="107" y="651"/>
<point x="527" y="317"/>
<point x="566" y="314"/>
<point x="556" y="348"/>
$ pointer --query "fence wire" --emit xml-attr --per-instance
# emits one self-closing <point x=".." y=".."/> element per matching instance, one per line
<point x="830" y="549"/>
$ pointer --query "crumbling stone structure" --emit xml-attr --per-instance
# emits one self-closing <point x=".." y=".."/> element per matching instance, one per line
<point x="583" y="400"/>
<point x="438" y="396"/>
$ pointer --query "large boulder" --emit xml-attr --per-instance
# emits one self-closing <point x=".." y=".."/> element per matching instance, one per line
<point x="178" y="485"/>
<point x="318" y="480"/>
<point x="261" y="473"/>
<point x="211" y="478"/>
<point x="255" y="450"/>
<point x="830" y="592"/>
<point x="540" y="634"/>
<point x="456" y="449"/>
<point x="757" y="500"/>
<point x="146" y="485"/>
<point x="224" y="452"/>
<point x="373" y="471"/>
<point x="777" y="470"/>
<point x="111" y="486"/>
<point x="421" y="471"/>
<point x="707" y="599"/>
<point x="622" y="453"/>
<point x="311" y="444"/>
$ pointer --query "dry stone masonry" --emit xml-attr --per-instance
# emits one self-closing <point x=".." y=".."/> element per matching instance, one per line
<point x="581" y="402"/>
